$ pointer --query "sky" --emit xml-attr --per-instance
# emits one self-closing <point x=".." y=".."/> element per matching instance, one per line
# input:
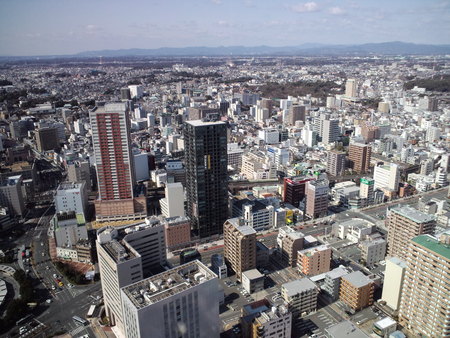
<point x="57" y="27"/>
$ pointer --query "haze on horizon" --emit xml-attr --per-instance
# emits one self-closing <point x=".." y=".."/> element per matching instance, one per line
<point x="56" y="27"/>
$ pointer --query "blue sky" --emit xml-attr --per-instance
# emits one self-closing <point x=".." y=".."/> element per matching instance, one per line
<point x="42" y="27"/>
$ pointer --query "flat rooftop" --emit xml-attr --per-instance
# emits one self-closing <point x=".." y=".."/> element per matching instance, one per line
<point x="197" y="123"/>
<point x="70" y="186"/>
<point x="243" y="229"/>
<point x="357" y="279"/>
<point x="345" y="329"/>
<point x="297" y="286"/>
<point x="166" y="284"/>
<point x="413" y="214"/>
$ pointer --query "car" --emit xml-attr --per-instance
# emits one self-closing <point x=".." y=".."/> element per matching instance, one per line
<point x="43" y="254"/>
<point x="53" y="287"/>
<point x="47" y="268"/>
<point x="55" y="275"/>
<point x="22" y="330"/>
<point x="61" y="284"/>
<point x="48" y="301"/>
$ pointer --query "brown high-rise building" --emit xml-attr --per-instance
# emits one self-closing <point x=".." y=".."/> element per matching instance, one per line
<point x="424" y="307"/>
<point x="239" y="246"/>
<point x="403" y="224"/>
<point x="356" y="290"/>
<point x="115" y="173"/>
<point x="314" y="261"/>
<point x="336" y="162"/>
<point x="369" y="132"/>
<point x="359" y="157"/>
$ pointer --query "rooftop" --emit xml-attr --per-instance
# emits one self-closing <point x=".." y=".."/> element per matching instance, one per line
<point x="253" y="274"/>
<point x="312" y="251"/>
<point x="345" y="329"/>
<point x="385" y="322"/>
<point x="11" y="180"/>
<point x="413" y="214"/>
<point x="433" y="244"/>
<point x="243" y="229"/>
<point x="337" y="272"/>
<point x="70" y="186"/>
<point x="397" y="261"/>
<point x="357" y="279"/>
<point x="197" y="123"/>
<point x="297" y="286"/>
<point x="166" y="284"/>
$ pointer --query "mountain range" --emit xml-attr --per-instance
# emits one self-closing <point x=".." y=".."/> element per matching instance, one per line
<point x="309" y="49"/>
<point x="385" y="48"/>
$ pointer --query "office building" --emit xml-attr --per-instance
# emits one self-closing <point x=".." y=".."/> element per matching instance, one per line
<point x="78" y="171"/>
<point x="300" y="296"/>
<point x="140" y="165"/>
<point x="359" y="157"/>
<point x="71" y="196"/>
<point x="273" y="322"/>
<point x="239" y="246"/>
<point x="136" y="91"/>
<point x="69" y="229"/>
<point x="330" y="131"/>
<point x="172" y="205"/>
<point x="366" y="190"/>
<point x="356" y="290"/>
<point x="336" y="162"/>
<point x="425" y="307"/>
<point x="180" y="302"/>
<point x="234" y="154"/>
<point x="351" y="88"/>
<point x="393" y="282"/>
<point x="258" y="215"/>
<point x="46" y="139"/>
<point x="404" y="223"/>
<point x="126" y="255"/>
<point x="206" y="176"/>
<point x="345" y="329"/>
<point x="218" y="266"/>
<point x="433" y="134"/>
<point x="252" y="281"/>
<point x="372" y="251"/>
<point x="178" y="232"/>
<point x="289" y="243"/>
<point x="115" y="173"/>
<point x="314" y="261"/>
<point x="317" y="198"/>
<point x="11" y="195"/>
<point x="294" y="190"/>
<point x="387" y="177"/>
<point x="296" y="113"/>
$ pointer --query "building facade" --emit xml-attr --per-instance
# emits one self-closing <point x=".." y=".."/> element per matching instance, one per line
<point x="206" y="176"/>
<point x="314" y="261"/>
<point x="356" y="290"/>
<point x="359" y="155"/>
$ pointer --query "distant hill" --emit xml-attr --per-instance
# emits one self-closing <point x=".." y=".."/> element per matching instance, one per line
<point x="308" y="49"/>
<point x="385" y="48"/>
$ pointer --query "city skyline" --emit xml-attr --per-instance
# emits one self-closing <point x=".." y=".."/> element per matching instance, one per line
<point x="58" y="28"/>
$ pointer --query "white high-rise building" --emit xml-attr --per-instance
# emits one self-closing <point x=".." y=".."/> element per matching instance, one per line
<point x="181" y="302"/>
<point x="433" y="134"/>
<point x="387" y="177"/>
<point x="172" y="205"/>
<point x="393" y="282"/>
<point x="141" y="170"/>
<point x="126" y="255"/>
<point x="136" y="91"/>
<point x="309" y="137"/>
<point x="330" y="131"/>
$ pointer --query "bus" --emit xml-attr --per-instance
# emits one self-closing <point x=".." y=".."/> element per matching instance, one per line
<point x="80" y="320"/>
<point x="91" y="311"/>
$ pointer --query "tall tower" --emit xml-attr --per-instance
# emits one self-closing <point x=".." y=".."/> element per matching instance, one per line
<point x="359" y="155"/>
<point x="206" y="176"/>
<point x="115" y="174"/>
<point x="350" y="88"/>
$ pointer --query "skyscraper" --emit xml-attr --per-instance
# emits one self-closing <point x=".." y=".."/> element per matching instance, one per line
<point x="336" y="162"/>
<point x="206" y="176"/>
<point x="350" y="88"/>
<point x="425" y="308"/>
<point x="317" y="198"/>
<point x="115" y="174"/>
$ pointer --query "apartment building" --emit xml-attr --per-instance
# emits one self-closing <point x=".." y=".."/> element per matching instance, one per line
<point x="425" y="307"/>
<point x="356" y="290"/>
<point x="314" y="261"/>
<point x="359" y="155"/>
<point x="239" y="246"/>
<point x="300" y="296"/>
<point x="404" y="223"/>
<point x="393" y="282"/>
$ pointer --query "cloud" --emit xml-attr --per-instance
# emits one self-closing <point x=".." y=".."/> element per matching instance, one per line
<point x="305" y="7"/>
<point x="336" y="11"/>
<point x="216" y="2"/>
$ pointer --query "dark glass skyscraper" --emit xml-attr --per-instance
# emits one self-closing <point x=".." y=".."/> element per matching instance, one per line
<point x="206" y="176"/>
